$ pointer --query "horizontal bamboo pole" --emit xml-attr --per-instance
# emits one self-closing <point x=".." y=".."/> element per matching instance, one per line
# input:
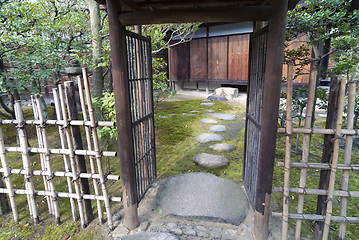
<point x="321" y="218"/>
<point x="340" y="193"/>
<point x="319" y="165"/>
<point x="61" y="122"/>
<point x="62" y="174"/>
<point x="321" y="131"/>
<point x="62" y="194"/>
<point x="62" y="151"/>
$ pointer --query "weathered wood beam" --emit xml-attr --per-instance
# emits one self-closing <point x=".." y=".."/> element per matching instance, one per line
<point x="223" y="14"/>
<point x="133" y="5"/>
<point x="196" y="3"/>
<point x="123" y="115"/>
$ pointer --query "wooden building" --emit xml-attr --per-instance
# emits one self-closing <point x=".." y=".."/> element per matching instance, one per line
<point x="218" y="56"/>
<point x="131" y="64"/>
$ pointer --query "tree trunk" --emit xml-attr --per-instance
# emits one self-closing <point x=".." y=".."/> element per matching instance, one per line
<point x="98" y="82"/>
<point x="327" y="152"/>
<point x="77" y="141"/>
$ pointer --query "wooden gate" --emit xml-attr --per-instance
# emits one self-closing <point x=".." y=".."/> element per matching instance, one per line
<point x="257" y="56"/>
<point x="141" y="103"/>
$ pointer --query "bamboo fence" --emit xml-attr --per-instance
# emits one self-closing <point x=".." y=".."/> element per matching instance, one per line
<point x="69" y="169"/>
<point x="334" y="166"/>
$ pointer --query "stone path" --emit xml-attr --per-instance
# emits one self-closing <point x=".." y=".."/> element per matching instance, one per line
<point x="209" y="160"/>
<point x="176" y="203"/>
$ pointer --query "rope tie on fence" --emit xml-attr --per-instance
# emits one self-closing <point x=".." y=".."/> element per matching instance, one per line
<point x="21" y="125"/>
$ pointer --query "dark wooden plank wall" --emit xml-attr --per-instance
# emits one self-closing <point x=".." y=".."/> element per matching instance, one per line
<point x="221" y="59"/>
<point x="179" y="62"/>
<point x="217" y="58"/>
<point x="238" y="57"/>
<point x="198" y="58"/>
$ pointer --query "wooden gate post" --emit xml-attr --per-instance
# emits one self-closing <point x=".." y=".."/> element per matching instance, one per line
<point x="123" y="114"/>
<point x="271" y="95"/>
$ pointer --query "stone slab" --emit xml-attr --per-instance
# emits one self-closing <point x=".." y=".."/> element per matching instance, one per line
<point x="222" y="116"/>
<point x="210" y="161"/>
<point x="208" y="104"/>
<point x="218" y="128"/>
<point x="208" y="137"/>
<point x="217" y="98"/>
<point x="151" y="236"/>
<point x="209" y="121"/>
<point x="222" y="147"/>
<point x="202" y="196"/>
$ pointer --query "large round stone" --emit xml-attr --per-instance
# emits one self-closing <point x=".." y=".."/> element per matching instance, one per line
<point x="151" y="236"/>
<point x="208" y="120"/>
<point x="222" y="147"/>
<point x="204" y="196"/>
<point x="210" y="161"/>
<point x="222" y="116"/>
<point x="218" y="128"/>
<point x="208" y="137"/>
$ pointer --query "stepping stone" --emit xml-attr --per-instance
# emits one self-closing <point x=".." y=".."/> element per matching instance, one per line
<point x="162" y="117"/>
<point x="208" y="104"/>
<point x="222" y="147"/>
<point x="173" y="114"/>
<point x="209" y="110"/>
<point x="208" y="120"/>
<point x="208" y="137"/>
<point x="218" y="128"/>
<point x="222" y="116"/>
<point x="202" y="196"/>
<point x="210" y="161"/>
<point x="322" y="115"/>
<point x="194" y="111"/>
<point x="189" y="114"/>
<point x="151" y="236"/>
<point x="217" y="98"/>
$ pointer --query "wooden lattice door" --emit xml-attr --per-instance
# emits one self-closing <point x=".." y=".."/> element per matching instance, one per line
<point x="141" y="103"/>
<point x="257" y="56"/>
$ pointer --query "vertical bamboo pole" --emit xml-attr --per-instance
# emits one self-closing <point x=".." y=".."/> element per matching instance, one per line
<point x="7" y="177"/>
<point x="75" y="178"/>
<point x="333" y="168"/>
<point x="63" y="146"/>
<point x="347" y="157"/>
<point x="50" y="175"/>
<point x="306" y="145"/>
<point x="42" y="157"/>
<point x="29" y="183"/>
<point x="97" y="150"/>
<point x="288" y="142"/>
<point x="89" y="145"/>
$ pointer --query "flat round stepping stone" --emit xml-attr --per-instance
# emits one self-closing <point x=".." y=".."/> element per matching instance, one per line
<point x="189" y="114"/>
<point x="210" y="161"/>
<point x="222" y="147"/>
<point x="208" y="120"/>
<point x="208" y="104"/>
<point x="194" y="111"/>
<point x="173" y="114"/>
<point x="208" y="137"/>
<point x="209" y="110"/>
<point x="162" y="117"/>
<point x="151" y="236"/>
<point x="222" y="116"/>
<point x="202" y="196"/>
<point x="218" y="128"/>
